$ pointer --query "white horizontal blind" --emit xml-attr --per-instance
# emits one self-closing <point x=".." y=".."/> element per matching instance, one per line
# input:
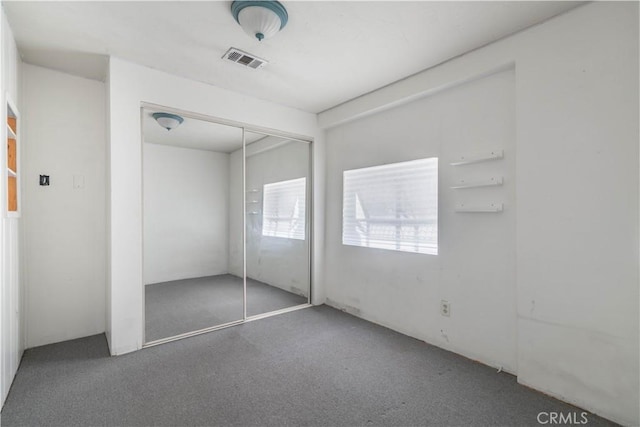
<point x="392" y="206"/>
<point x="283" y="210"/>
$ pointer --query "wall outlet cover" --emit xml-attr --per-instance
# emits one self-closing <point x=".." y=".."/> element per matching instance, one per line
<point x="445" y="308"/>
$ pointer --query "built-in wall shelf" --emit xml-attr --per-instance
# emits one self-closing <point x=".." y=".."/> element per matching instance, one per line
<point x="253" y="201"/>
<point x="488" y="208"/>
<point x="12" y="166"/>
<point x="477" y="158"/>
<point x="493" y="181"/>
<point x="253" y="213"/>
<point x="253" y="190"/>
<point x="11" y="133"/>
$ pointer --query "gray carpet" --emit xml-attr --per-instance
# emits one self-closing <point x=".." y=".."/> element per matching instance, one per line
<point x="312" y="367"/>
<point x="173" y="308"/>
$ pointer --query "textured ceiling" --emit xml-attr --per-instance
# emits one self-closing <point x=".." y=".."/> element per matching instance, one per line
<point x="330" y="52"/>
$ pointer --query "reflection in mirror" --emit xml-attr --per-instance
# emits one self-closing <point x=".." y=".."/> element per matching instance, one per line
<point x="187" y="187"/>
<point x="277" y="223"/>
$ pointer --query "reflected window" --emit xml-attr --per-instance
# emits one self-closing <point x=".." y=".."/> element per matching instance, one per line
<point x="283" y="210"/>
<point x="392" y="206"/>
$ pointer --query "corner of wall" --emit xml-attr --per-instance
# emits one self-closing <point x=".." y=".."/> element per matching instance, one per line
<point x="108" y="307"/>
<point x="319" y="295"/>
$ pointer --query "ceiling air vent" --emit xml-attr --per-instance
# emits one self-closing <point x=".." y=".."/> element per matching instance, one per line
<point x="243" y="58"/>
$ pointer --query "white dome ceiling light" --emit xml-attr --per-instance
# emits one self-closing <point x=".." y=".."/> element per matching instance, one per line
<point x="260" y="19"/>
<point x="167" y="120"/>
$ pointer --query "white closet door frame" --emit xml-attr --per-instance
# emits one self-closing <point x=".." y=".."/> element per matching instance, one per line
<point x="245" y="127"/>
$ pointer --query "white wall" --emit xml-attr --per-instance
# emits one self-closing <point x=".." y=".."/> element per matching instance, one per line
<point x="279" y="262"/>
<point x="475" y="268"/>
<point x="129" y="85"/>
<point x="186" y="215"/>
<point x="577" y="246"/>
<point x="576" y="176"/>
<point x="64" y="223"/>
<point x="11" y="288"/>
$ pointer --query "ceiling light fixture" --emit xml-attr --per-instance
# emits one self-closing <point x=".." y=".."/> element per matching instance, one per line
<point x="167" y="120"/>
<point x="260" y="19"/>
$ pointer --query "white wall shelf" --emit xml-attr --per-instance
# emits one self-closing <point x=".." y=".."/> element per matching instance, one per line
<point x="488" y="208"/>
<point x="10" y="133"/>
<point x="493" y="181"/>
<point x="483" y="157"/>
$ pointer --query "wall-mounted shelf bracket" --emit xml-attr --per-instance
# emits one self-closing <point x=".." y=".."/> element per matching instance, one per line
<point x="483" y="157"/>
<point x="493" y="181"/>
<point x="489" y="208"/>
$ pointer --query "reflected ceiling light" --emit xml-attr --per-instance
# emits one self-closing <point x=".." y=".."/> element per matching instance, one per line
<point x="260" y="19"/>
<point x="168" y="121"/>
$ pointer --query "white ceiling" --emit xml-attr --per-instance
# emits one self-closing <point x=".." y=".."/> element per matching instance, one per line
<point x="329" y="52"/>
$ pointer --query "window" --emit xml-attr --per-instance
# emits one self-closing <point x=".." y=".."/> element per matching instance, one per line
<point x="392" y="207"/>
<point x="283" y="210"/>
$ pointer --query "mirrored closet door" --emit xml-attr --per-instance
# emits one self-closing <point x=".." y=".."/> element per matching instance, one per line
<point x="278" y="194"/>
<point x="227" y="222"/>
<point x="192" y="205"/>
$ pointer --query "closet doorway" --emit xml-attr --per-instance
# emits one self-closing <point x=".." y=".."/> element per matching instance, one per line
<point x="226" y="223"/>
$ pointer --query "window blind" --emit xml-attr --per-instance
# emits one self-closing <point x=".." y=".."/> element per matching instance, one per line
<point x="283" y="210"/>
<point x="392" y="206"/>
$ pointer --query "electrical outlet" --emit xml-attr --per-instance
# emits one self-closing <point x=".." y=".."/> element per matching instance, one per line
<point x="445" y="308"/>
